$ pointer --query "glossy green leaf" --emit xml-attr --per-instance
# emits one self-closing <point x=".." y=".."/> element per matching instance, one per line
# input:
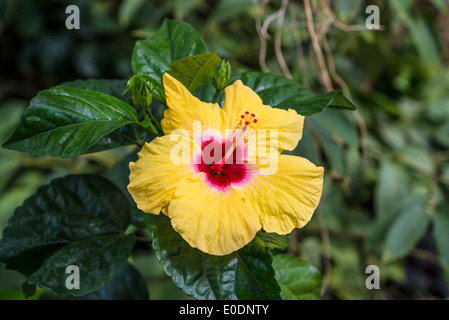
<point x="195" y="71"/>
<point x="119" y="175"/>
<point x="66" y="121"/>
<point x="76" y="220"/>
<point x="298" y="279"/>
<point x="280" y="92"/>
<point x="129" y="284"/>
<point x="272" y="240"/>
<point x="173" y="41"/>
<point x="126" y="135"/>
<point x="98" y="258"/>
<point x="407" y="229"/>
<point x="207" y="92"/>
<point x="333" y="99"/>
<point x="244" y="274"/>
<point x="274" y="89"/>
<point x="112" y="87"/>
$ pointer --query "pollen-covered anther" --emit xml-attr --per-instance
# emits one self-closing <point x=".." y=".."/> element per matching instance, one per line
<point x="247" y="119"/>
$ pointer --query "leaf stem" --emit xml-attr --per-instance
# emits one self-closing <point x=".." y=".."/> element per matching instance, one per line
<point x="144" y="114"/>
<point x="150" y="129"/>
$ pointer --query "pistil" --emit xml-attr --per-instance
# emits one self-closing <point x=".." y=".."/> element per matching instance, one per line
<point x="241" y="131"/>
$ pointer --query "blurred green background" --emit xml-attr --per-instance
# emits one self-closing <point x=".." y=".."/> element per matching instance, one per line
<point x="385" y="199"/>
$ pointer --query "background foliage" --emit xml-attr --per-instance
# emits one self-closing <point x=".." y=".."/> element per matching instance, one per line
<point x="387" y="170"/>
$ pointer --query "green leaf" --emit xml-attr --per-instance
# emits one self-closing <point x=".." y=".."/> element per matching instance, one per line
<point x="99" y="259"/>
<point x="274" y="89"/>
<point x="10" y="113"/>
<point x="119" y="175"/>
<point x="298" y="279"/>
<point x="393" y="183"/>
<point x="417" y="158"/>
<point x="76" y="220"/>
<point x="334" y="99"/>
<point x="129" y="284"/>
<point x="126" y="135"/>
<point x="335" y="134"/>
<point x="112" y="87"/>
<point x="230" y="9"/>
<point x="173" y="41"/>
<point x="272" y="240"/>
<point x="28" y="289"/>
<point x="280" y="92"/>
<point x="195" y="71"/>
<point x="244" y="274"/>
<point x="65" y="122"/>
<point x="407" y="229"/>
<point x="441" y="235"/>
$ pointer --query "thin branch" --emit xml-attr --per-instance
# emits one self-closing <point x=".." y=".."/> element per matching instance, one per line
<point x="263" y="42"/>
<point x="277" y="40"/>
<point x="343" y="26"/>
<point x="324" y="75"/>
<point x="266" y="24"/>
<point x="342" y="84"/>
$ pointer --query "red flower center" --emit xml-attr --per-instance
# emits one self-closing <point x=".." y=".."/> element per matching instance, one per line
<point x="223" y="163"/>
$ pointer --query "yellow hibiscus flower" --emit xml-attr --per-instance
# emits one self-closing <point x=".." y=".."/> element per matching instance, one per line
<point x="218" y="206"/>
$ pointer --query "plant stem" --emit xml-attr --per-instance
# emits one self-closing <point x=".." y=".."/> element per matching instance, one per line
<point x="217" y="92"/>
<point x="144" y="114"/>
<point x="153" y="119"/>
<point x="152" y="130"/>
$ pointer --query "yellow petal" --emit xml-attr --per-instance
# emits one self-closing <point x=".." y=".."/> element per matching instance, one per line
<point x="154" y="175"/>
<point x="215" y="222"/>
<point x="240" y="99"/>
<point x="288" y="198"/>
<point x="184" y="109"/>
